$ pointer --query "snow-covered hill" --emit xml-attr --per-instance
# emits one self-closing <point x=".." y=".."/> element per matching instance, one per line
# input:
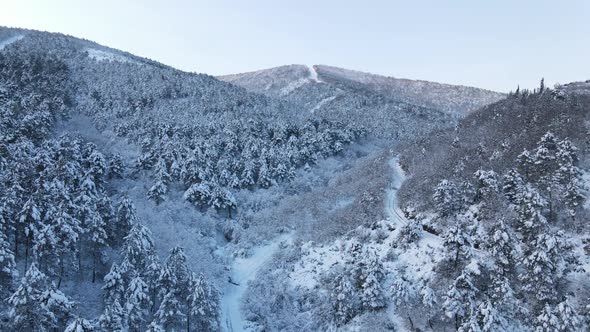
<point x="330" y="82"/>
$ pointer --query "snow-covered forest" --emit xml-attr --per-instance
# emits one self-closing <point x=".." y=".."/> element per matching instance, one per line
<point x="138" y="197"/>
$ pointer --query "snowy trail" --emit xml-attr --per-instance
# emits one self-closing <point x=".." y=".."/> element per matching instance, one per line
<point x="322" y="103"/>
<point x="9" y="41"/>
<point x="243" y="271"/>
<point x="313" y="74"/>
<point x="392" y="208"/>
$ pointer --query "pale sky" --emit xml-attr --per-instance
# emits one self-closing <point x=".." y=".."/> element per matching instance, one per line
<point x="491" y="44"/>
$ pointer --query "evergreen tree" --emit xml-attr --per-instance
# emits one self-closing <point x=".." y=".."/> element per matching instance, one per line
<point x="170" y="314"/>
<point x="512" y="185"/>
<point x="343" y="298"/>
<point x="138" y="303"/>
<point x="567" y="316"/>
<point x="112" y="318"/>
<point x="138" y="247"/>
<point x="369" y="281"/>
<point x="202" y="305"/>
<point x="80" y="325"/>
<point x="116" y="167"/>
<point x="157" y="192"/>
<point x="176" y="264"/>
<point x="114" y="285"/>
<point x="446" y="198"/>
<point x="27" y="312"/>
<point x="457" y="245"/>
<point x="461" y="299"/>
<point x="126" y="215"/>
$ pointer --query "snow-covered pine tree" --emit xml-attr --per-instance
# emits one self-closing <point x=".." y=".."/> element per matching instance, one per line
<point x="501" y="244"/>
<point x="547" y="321"/>
<point x="202" y="306"/>
<point x="126" y="215"/>
<point x="370" y="277"/>
<point x="137" y="304"/>
<point x="525" y="164"/>
<point x="512" y="185"/>
<point x="529" y="210"/>
<point x="114" y="285"/>
<point x="546" y="259"/>
<point x="170" y="313"/>
<point x="80" y="325"/>
<point x="27" y="312"/>
<point x="113" y="317"/>
<point x="176" y="264"/>
<point x="461" y="299"/>
<point x="116" y="167"/>
<point x="457" y="245"/>
<point x="485" y="319"/>
<point x="157" y="192"/>
<point x="446" y="198"/>
<point x="568" y="318"/>
<point x="7" y="262"/>
<point x="138" y="247"/>
<point x="344" y="300"/>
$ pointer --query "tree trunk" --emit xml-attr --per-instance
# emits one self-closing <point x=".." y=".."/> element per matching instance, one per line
<point x="94" y="265"/>
<point x="61" y="272"/>
<point x="15" y="244"/>
<point x="188" y="320"/>
<point x="26" y="254"/>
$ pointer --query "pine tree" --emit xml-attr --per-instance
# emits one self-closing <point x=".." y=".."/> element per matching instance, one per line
<point x="138" y="247"/>
<point x="202" y="306"/>
<point x="176" y="264"/>
<point x="457" y="245"/>
<point x="126" y="215"/>
<point x="529" y="209"/>
<point x="116" y="167"/>
<point x="547" y="321"/>
<point x="138" y="303"/>
<point x="113" y="317"/>
<point x="512" y="185"/>
<point x="485" y="319"/>
<point x="369" y="281"/>
<point x="344" y="300"/>
<point x="80" y="325"/>
<point x="567" y="316"/>
<point x="545" y="259"/>
<point x="461" y="299"/>
<point x="27" y="313"/>
<point x="525" y="164"/>
<point x="157" y="192"/>
<point x="7" y="263"/>
<point x="502" y="246"/>
<point x="170" y="314"/>
<point x="114" y="285"/>
<point x="486" y="184"/>
<point x="446" y="198"/>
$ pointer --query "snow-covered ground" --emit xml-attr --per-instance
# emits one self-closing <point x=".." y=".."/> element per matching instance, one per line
<point x="322" y="103"/>
<point x="100" y="55"/>
<point x="9" y="41"/>
<point x="244" y="270"/>
<point x="313" y="74"/>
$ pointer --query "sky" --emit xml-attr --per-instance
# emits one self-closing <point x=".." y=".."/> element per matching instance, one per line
<point x="490" y="44"/>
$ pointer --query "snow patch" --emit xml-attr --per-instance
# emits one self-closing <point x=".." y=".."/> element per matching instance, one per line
<point x="313" y="74"/>
<point x="9" y="41"/>
<point x="100" y="55"/>
<point x="322" y="103"/>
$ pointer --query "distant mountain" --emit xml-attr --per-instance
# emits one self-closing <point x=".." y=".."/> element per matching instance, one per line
<point x="319" y="86"/>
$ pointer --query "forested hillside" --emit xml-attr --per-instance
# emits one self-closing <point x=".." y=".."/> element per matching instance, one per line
<point x="137" y="197"/>
<point x="506" y="191"/>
